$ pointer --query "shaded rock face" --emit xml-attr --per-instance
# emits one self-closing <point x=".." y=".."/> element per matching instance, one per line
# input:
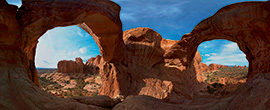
<point x="169" y="68"/>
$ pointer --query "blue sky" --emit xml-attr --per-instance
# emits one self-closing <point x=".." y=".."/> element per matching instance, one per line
<point x="171" y="19"/>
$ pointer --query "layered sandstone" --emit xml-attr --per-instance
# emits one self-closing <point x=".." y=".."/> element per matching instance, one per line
<point x="146" y="71"/>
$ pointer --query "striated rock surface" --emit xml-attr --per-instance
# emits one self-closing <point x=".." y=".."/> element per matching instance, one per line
<point x="146" y="71"/>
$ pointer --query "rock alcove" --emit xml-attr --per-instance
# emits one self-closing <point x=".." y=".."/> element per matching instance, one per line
<point x="245" y="23"/>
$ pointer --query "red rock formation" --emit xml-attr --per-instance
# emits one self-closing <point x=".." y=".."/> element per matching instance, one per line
<point x="19" y="34"/>
<point x="95" y="65"/>
<point x="212" y="67"/>
<point x="70" y="66"/>
<point x="247" y="25"/>
<point x="99" y="18"/>
<point x="145" y="70"/>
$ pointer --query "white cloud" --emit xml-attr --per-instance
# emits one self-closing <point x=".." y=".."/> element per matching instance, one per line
<point x="229" y="55"/>
<point x="213" y="54"/>
<point x="207" y="55"/>
<point x="83" y="50"/>
<point x="207" y="45"/>
<point x="231" y="47"/>
<point x="128" y="16"/>
<point x="134" y="10"/>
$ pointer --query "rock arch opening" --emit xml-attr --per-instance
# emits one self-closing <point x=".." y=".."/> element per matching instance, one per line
<point x="58" y="73"/>
<point x="223" y="66"/>
<point x="103" y="25"/>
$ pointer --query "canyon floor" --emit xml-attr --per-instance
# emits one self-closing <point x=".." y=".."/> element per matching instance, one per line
<point x="69" y="84"/>
<point x="219" y="82"/>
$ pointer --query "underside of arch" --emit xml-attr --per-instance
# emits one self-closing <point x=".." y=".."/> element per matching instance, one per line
<point x="247" y="24"/>
<point x="98" y="18"/>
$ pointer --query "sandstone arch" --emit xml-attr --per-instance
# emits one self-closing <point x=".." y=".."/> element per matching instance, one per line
<point x="20" y="31"/>
<point x="100" y="19"/>
<point x="246" y="23"/>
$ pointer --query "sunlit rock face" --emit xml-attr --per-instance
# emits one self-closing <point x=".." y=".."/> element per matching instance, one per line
<point x="138" y="62"/>
<point x="146" y="71"/>
<point x="69" y="66"/>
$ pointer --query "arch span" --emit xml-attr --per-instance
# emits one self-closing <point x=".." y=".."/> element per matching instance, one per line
<point x="98" y="18"/>
<point x="243" y="23"/>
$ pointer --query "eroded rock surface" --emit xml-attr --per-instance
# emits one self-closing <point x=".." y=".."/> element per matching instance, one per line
<point x="146" y="71"/>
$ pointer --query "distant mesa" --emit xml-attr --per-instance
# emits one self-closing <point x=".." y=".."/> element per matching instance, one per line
<point x="77" y="66"/>
<point x="213" y="67"/>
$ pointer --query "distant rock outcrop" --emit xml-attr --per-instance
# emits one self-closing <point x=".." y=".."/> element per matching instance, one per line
<point x="69" y="66"/>
<point x="94" y="65"/>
